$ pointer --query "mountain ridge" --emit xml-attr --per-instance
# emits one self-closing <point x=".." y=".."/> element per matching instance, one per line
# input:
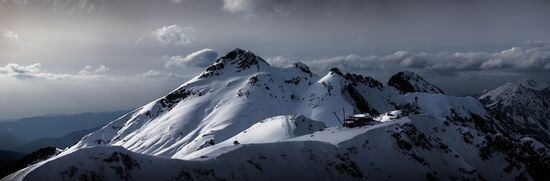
<point x="244" y="119"/>
<point x="522" y="106"/>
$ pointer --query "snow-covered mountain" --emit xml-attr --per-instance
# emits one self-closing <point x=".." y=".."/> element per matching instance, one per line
<point x="242" y="119"/>
<point x="523" y="106"/>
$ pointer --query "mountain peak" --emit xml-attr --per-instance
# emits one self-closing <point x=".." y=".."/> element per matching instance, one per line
<point x="302" y="66"/>
<point x="234" y="53"/>
<point x="244" y="58"/>
<point x="239" y="58"/>
<point x="407" y="81"/>
<point x="336" y="71"/>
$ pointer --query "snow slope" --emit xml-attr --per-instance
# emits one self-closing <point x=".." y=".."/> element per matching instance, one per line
<point x="244" y="119"/>
<point x="418" y="147"/>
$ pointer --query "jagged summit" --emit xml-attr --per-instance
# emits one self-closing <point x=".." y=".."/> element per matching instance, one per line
<point x="407" y="81"/>
<point x="336" y="71"/>
<point x="236" y="60"/>
<point x="356" y="78"/>
<point x="233" y="54"/>
<point x="243" y="58"/>
<point x="302" y="66"/>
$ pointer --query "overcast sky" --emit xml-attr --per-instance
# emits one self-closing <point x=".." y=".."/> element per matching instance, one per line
<point x="70" y="56"/>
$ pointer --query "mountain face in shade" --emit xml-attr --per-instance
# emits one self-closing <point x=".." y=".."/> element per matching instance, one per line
<point x="523" y="106"/>
<point x="410" y="82"/>
<point x="20" y="160"/>
<point x="242" y="119"/>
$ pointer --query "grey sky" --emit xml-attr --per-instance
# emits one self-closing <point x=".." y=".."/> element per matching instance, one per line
<point x="68" y="56"/>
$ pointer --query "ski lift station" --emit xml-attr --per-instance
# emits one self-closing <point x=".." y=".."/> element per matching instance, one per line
<point x="359" y="120"/>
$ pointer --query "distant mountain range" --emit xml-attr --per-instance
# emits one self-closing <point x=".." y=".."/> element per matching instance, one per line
<point x="242" y="119"/>
<point x="59" y="142"/>
<point x="16" y="135"/>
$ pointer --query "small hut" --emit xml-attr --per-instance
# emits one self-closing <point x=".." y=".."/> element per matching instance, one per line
<point x="359" y="120"/>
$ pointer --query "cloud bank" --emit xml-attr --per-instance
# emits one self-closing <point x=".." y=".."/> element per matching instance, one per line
<point x="155" y="74"/>
<point x="20" y="71"/>
<point x="90" y="70"/>
<point x="87" y="73"/>
<point x="10" y="35"/>
<point x="33" y="72"/>
<point x="173" y="34"/>
<point x="201" y="58"/>
<point x="530" y="57"/>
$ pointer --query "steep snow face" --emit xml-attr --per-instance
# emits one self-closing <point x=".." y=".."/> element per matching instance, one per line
<point x="410" y="82"/>
<point x="270" y="130"/>
<point x="523" y="106"/>
<point x="416" y="147"/>
<point x="241" y="89"/>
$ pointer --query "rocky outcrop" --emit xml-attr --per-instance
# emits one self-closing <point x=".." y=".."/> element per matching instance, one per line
<point x="407" y="82"/>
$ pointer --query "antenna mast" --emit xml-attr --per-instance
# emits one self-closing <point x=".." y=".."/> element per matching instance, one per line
<point x="337" y="118"/>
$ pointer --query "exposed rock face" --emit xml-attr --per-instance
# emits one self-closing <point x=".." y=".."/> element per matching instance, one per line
<point x="236" y="60"/>
<point x="303" y="67"/>
<point x="242" y="59"/>
<point x="410" y="82"/>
